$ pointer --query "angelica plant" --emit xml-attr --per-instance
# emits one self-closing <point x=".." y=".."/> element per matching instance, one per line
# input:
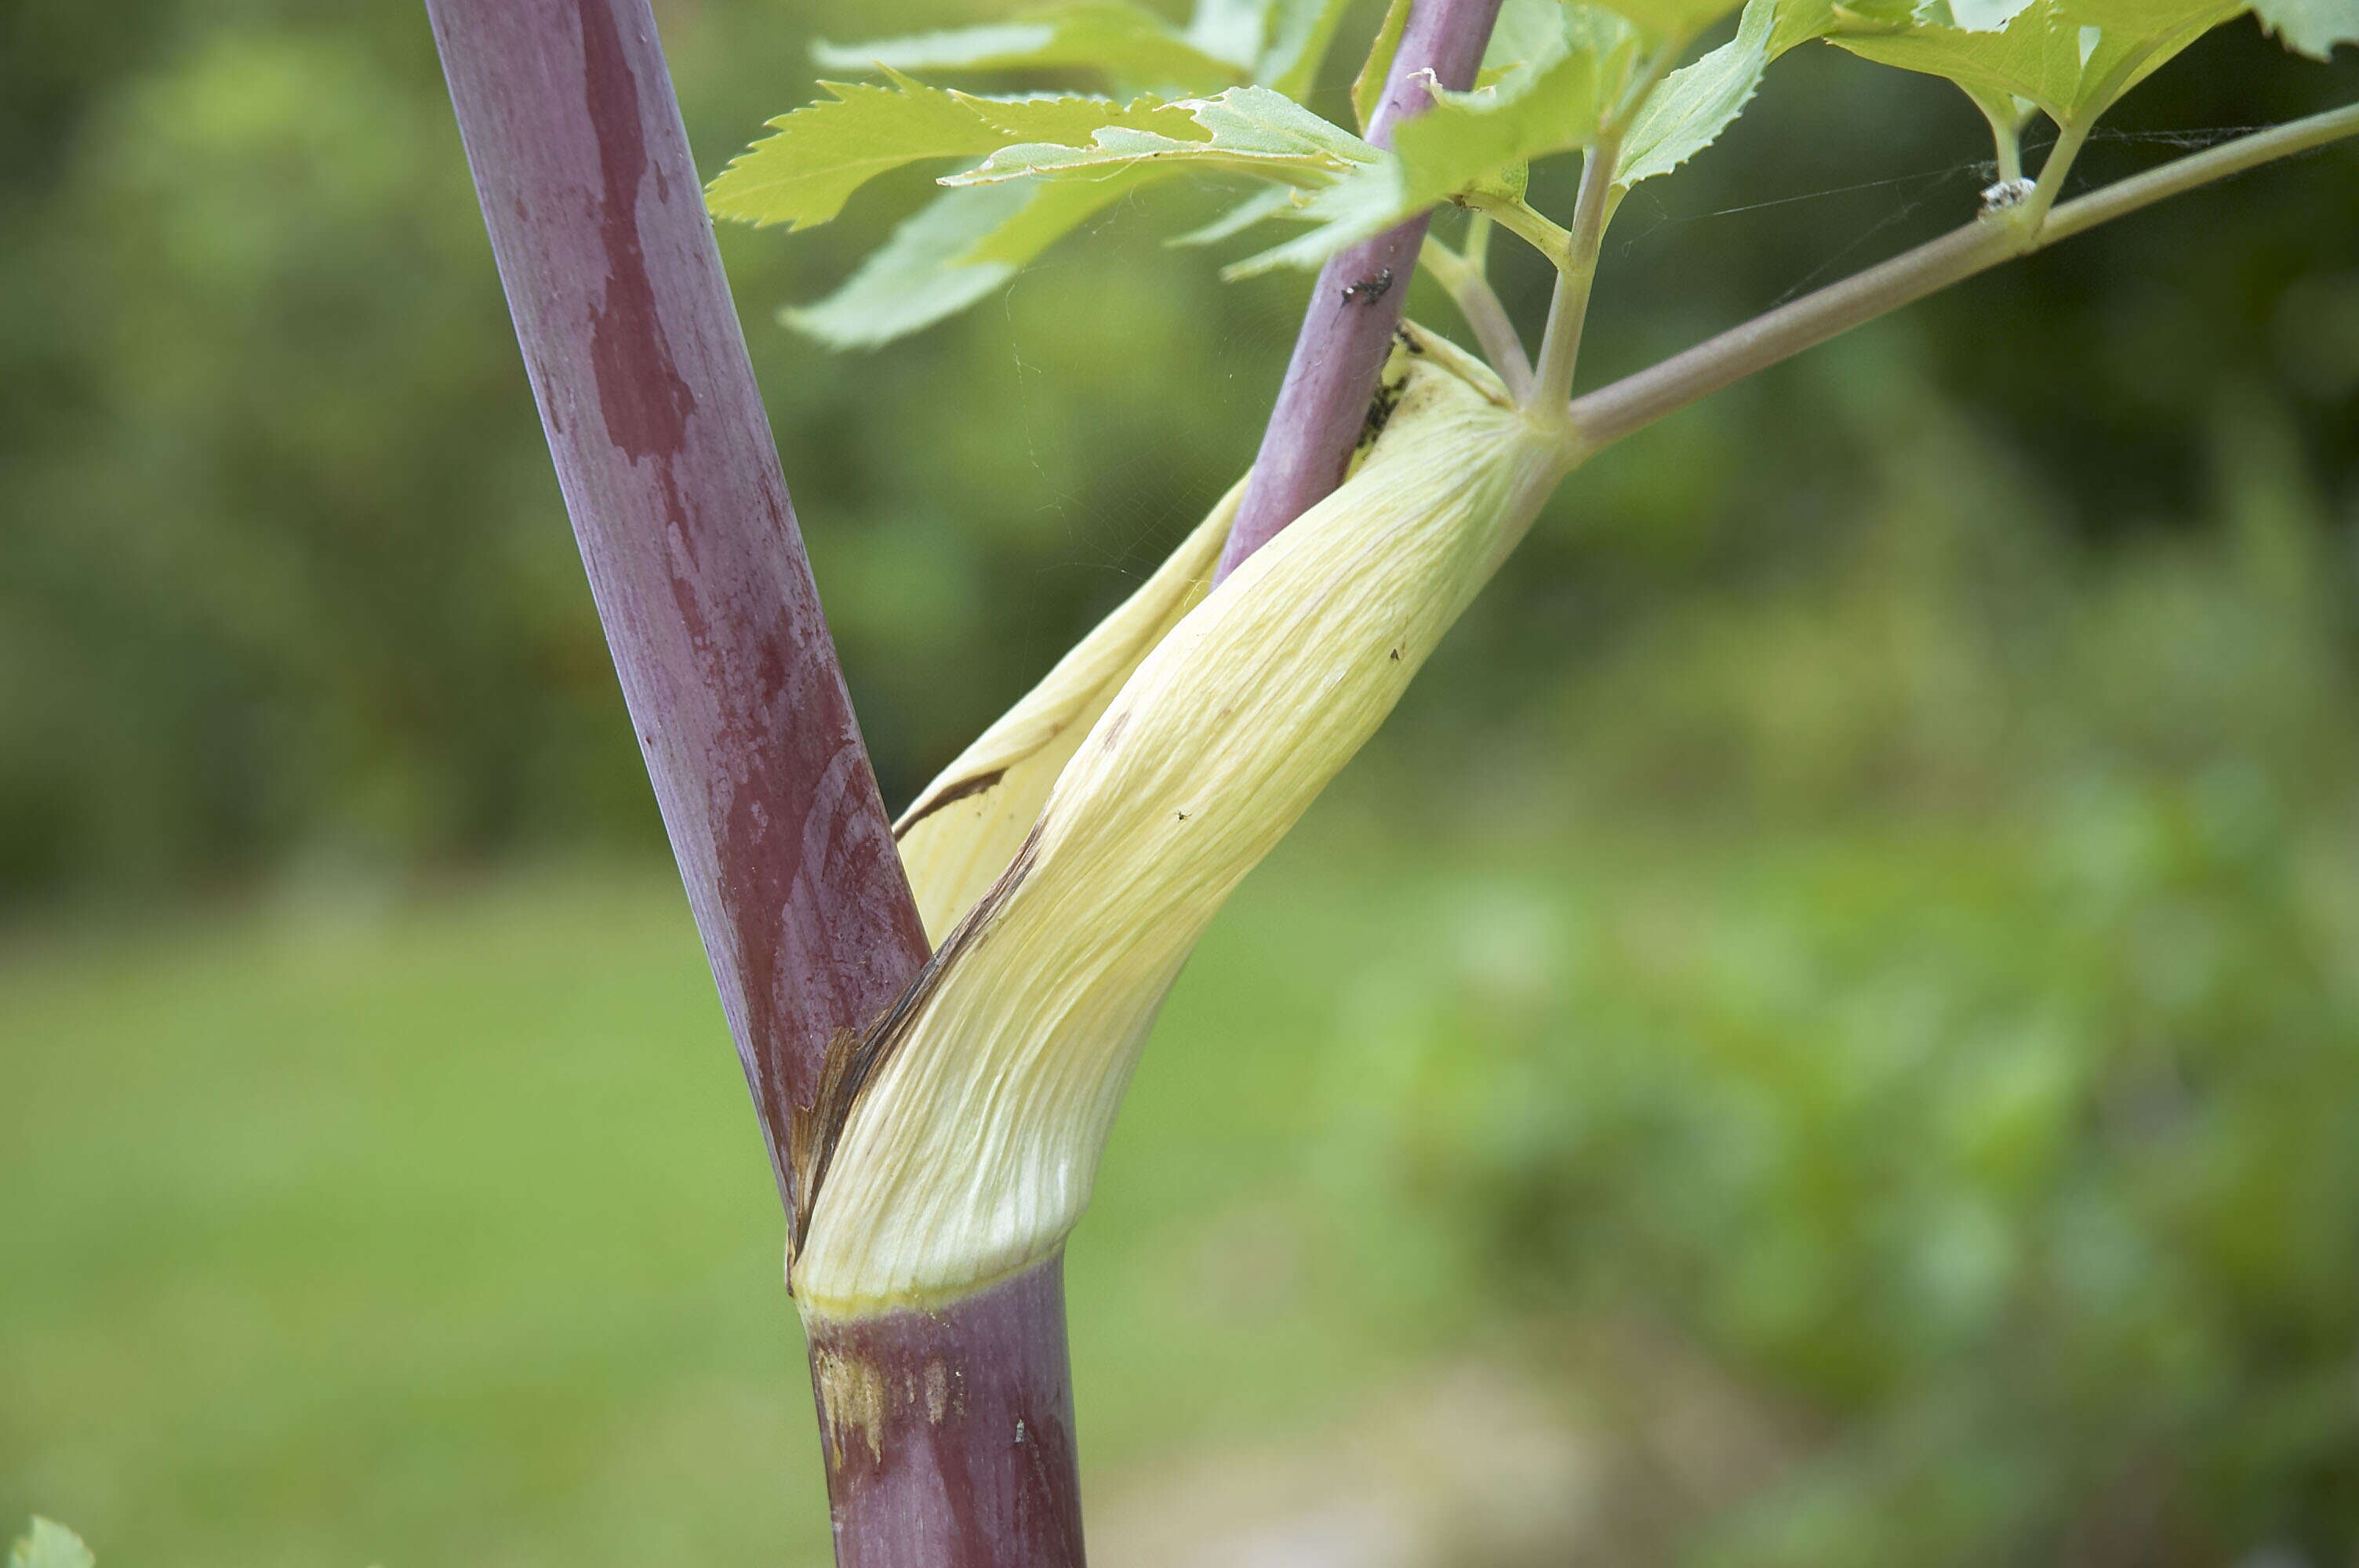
<point x="1068" y="861"/>
<point x="939" y="1020"/>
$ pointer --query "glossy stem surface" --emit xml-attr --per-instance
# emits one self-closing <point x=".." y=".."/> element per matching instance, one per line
<point x="948" y="1433"/>
<point x="664" y="458"/>
<point x="1356" y="307"/>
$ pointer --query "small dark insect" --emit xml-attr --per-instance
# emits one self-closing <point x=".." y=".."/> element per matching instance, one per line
<point x="1397" y="655"/>
<point x="1380" y="410"/>
<point x="1368" y="290"/>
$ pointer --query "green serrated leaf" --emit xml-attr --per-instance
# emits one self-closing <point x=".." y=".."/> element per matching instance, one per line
<point x="1985" y="15"/>
<point x="48" y="1545"/>
<point x="1231" y="31"/>
<point x="1527" y="32"/>
<point x="1343" y="213"/>
<point x="1246" y="130"/>
<point x="2071" y="58"/>
<point x="1533" y="36"/>
<point x="1299" y="34"/>
<point x="1800" y="21"/>
<point x="1697" y="101"/>
<point x="823" y="153"/>
<point x="2311" y="27"/>
<point x="1368" y="87"/>
<point x="1346" y="214"/>
<point x="917" y="277"/>
<point x="1275" y="201"/>
<point x="957" y="249"/>
<point x="1675" y="19"/>
<point x="1554" y="106"/>
<point x="1131" y="47"/>
<point x="1476" y="141"/>
<point x="1057" y="208"/>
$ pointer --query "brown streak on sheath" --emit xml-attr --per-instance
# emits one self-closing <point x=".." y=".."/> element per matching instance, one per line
<point x="1381" y="408"/>
<point x="852" y="1063"/>
<point x="957" y="792"/>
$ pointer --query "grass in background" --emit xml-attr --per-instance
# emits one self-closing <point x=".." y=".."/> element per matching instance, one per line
<point x="440" y="1234"/>
<point x="1921" y="987"/>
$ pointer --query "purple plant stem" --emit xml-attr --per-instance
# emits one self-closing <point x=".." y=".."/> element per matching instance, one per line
<point x="665" y="458"/>
<point x="1357" y="306"/>
<point x="949" y="1435"/>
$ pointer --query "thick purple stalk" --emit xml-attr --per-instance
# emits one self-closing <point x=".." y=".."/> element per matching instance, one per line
<point x="664" y="454"/>
<point x="950" y="1433"/>
<point x="1348" y="329"/>
<point x="664" y="458"/>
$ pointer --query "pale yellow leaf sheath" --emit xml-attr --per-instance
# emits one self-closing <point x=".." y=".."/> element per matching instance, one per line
<point x="978" y="1109"/>
<point x="963" y="829"/>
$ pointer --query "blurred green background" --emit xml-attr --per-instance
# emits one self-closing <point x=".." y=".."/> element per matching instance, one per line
<point x="1826" y="1032"/>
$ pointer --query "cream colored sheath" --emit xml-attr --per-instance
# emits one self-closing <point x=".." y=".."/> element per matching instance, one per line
<point x="1082" y="845"/>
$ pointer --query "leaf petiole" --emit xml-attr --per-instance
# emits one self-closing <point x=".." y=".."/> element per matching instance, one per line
<point x="1592" y="210"/>
<point x="1613" y="412"/>
<point x="1569" y="307"/>
<point x="2007" y="137"/>
<point x="1524" y="222"/>
<point x="1461" y="274"/>
<point x="1477" y="249"/>
<point x="2033" y="213"/>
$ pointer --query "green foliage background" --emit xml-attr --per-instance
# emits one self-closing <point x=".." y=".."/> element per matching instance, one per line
<point x="1868" y="896"/>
